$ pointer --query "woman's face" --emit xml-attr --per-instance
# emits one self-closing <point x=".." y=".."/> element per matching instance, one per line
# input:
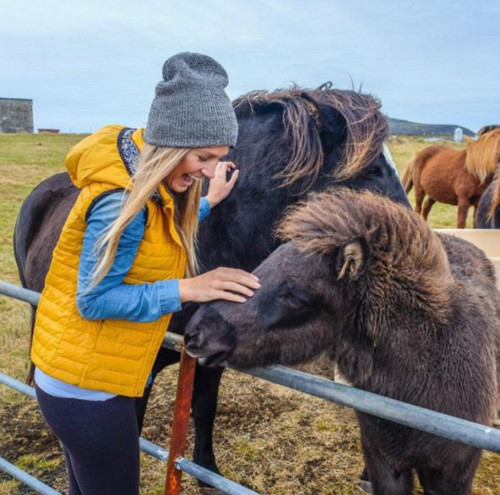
<point x="197" y="164"/>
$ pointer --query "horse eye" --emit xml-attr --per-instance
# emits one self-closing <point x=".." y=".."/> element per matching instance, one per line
<point x="374" y="171"/>
<point x="294" y="299"/>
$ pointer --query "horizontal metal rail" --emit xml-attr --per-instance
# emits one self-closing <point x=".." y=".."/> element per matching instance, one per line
<point x="443" y="425"/>
<point x="26" y="478"/>
<point x="26" y="295"/>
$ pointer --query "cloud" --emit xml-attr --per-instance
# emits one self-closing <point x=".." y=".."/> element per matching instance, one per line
<point x="90" y="60"/>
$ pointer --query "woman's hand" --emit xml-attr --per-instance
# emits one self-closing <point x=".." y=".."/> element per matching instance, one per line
<point x="229" y="284"/>
<point x="219" y="186"/>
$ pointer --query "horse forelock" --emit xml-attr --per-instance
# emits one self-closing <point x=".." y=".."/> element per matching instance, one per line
<point x="483" y="154"/>
<point x="366" y="130"/>
<point x="399" y="241"/>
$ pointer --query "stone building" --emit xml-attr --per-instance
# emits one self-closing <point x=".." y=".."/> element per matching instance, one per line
<point x="16" y="115"/>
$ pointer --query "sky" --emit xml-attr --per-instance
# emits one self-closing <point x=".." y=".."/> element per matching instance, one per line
<point x="88" y="63"/>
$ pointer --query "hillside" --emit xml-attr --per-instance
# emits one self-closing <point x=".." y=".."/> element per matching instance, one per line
<point x="405" y="127"/>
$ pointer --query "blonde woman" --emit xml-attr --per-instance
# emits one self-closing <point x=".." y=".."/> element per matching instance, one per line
<point x="124" y="262"/>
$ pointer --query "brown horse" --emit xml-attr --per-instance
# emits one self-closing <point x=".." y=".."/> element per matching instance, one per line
<point x="456" y="177"/>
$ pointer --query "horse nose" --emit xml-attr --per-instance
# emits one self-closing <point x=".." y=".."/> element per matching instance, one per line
<point x="209" y="334"/>
<point x="193" y="340"/>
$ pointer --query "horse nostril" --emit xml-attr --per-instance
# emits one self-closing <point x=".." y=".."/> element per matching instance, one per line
<point x="193" y="339"/>
<point x="188" y="339"/>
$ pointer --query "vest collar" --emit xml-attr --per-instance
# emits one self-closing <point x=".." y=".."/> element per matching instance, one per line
<point x="130" y="143"/>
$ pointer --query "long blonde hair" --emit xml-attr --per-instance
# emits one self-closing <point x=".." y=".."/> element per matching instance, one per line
<point x="155" y="164"/>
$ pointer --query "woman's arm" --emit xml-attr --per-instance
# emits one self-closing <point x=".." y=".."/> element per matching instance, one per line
<point x="111" y="298"/>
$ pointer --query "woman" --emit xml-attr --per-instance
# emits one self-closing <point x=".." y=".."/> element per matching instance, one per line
<point x="124" y="262"/>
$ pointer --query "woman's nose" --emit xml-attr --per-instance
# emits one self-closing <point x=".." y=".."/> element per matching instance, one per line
<point x="209" y="171"/>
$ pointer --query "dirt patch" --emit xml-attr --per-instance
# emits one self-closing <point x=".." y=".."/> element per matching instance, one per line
<point x="27" y="443"/>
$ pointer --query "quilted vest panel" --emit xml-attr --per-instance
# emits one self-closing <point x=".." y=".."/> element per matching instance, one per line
<point x="114" y="356"/>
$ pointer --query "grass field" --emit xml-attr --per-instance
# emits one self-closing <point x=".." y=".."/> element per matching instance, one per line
<point x="268" y="438"/>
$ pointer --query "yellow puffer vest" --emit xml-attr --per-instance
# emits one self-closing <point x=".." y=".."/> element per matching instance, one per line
<point x="114" y="356"/>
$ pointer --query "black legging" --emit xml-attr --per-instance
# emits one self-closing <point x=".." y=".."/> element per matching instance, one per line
<point x="100" y="441"/>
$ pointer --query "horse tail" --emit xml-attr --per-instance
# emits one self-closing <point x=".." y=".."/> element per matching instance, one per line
<point x="483" y="155"/>
<point x="408" y="176"/>
<point x="25" y="229"/>
<point x="24" y="232"/>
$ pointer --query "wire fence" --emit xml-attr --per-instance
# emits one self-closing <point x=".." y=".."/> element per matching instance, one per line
<point x="450" y="427"/>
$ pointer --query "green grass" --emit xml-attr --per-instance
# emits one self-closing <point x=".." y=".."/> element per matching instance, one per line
<point x="25" y="160"/>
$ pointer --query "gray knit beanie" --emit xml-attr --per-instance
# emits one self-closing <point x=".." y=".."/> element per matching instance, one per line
<point x="191" y="108"/>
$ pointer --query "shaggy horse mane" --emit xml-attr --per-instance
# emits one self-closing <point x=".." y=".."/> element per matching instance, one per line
<point x="398" y="240"/>
<point x="366" y="128"/>
<point x="483" y="154"/>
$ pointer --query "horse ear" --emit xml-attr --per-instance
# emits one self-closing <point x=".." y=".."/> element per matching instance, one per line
<point x="332" y="124"/>
<point x="350" y="260"/>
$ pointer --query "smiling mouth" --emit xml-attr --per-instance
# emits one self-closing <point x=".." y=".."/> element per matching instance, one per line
<point x="189" y="179"/>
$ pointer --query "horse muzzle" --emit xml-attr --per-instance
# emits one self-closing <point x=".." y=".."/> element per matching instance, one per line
<point x="209" y="337"/>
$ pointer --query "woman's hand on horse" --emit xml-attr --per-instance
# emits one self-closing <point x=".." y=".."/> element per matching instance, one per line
<point x="229" y="284"/>
<point x="220" y="186"/>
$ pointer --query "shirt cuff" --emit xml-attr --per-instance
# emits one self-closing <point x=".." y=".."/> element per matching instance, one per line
<point x="203" y="209"/>
<point x="168" y="293"/>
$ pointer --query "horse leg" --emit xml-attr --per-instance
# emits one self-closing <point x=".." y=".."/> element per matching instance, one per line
<point x="419" y="197"/>
<point x="164" y="358"/>
<point x="429" y="203"/>
<point x="454" y="480"/>
<point x="384" y="479"/>
<point x="463" y="209"/>
<point x="30" y="379"/>
<point x="204" y="408"/>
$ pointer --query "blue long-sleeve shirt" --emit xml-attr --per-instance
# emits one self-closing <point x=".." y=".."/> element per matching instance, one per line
<point x="112" y="298"/>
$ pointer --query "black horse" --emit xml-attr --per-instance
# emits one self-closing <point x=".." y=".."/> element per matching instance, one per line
<point x="290" y="142"/>
<point x="487" y="128"/>
<point x="488" y="209"/>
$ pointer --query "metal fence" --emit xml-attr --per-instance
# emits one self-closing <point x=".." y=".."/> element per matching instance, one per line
<point x="433" y="422"/>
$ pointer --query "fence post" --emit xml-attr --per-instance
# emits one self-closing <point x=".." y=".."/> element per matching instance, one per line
<point x="180" y="423"/>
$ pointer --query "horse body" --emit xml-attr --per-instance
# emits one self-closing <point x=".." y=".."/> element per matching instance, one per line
<point x="290" y="143"/>
<point x="402" y="312"/>
<point x="456" y="177"/>
<point x="440" y="173"/>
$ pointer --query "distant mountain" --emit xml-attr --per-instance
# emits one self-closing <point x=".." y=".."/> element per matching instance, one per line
<point x="398" y="126"/>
